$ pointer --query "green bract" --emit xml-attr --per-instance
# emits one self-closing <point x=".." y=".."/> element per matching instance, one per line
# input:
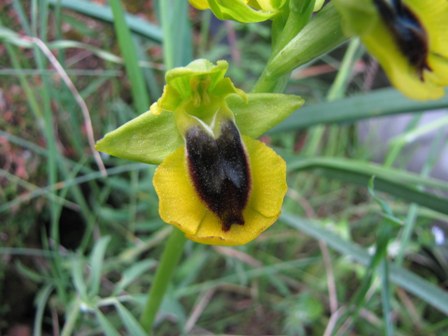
<point x="196" y="93"/>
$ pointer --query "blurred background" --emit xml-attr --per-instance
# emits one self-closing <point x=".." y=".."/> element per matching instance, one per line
<point x="79" y="249"/>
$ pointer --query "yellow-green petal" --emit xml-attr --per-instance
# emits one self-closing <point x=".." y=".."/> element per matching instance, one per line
<point x="149" y="138"/>
<point x="262" y="111"/>
<point x="180" y="205"/>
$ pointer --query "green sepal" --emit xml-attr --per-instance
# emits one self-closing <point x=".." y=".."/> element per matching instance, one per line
<point x="150" y="137"/>
<point x="262" y="111"/>
<point x="359" y="17"/>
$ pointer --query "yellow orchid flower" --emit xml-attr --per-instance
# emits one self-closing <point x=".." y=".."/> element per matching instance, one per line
<point x="245" y="11"/>
<point x="409" y="39"/>
<point x="214" y="184"/>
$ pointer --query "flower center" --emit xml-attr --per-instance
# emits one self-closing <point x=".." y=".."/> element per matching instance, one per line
<point x="220" y="171"/>
<point x="408" y="33"/>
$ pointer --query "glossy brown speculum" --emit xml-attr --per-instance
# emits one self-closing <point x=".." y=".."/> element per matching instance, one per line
<point x="408" y="32"/>
<point x="219" y="170"/>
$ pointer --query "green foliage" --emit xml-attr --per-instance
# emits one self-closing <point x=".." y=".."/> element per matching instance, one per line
<point x="83" y="248"/>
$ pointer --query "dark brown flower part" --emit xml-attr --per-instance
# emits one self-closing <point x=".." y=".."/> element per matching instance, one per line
<point x="219" y="170"/>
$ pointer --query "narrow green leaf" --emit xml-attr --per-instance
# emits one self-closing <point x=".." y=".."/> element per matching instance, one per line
<point x="129" y="321"/>
<point x="133" y="273"/>
<point x="416" y="285"/>
<point x="78" y="277"/>
<point x="375" y="104"/>
<point x="40" y="303"/>
<point x="104" y="13"/>
<point x="71" y="317"/>
<point x="15" y="38"/>
<point x="264" y="271"/>
<point x="29" y="273"/>
<point x="127" y="47"/>
<point x="172" y="307"/>
<point x="393" y="181"/>
<point x="383" y="237"/>
<point x="386" y="298"/>
<point x="177" y="37"/>
<point x="96" y="265"/>
<point x="155" y="89"/>
<point x="18" y="8"/>
<point x="106" y="327"/>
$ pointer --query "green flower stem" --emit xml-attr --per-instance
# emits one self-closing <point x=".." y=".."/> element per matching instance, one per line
<point x="170" y="258"/>
<point x="322" y="34"/>
<point x="299" y="15"/>
<point x="284" y="30"/>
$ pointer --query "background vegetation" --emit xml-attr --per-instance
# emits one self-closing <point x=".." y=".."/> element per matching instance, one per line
<point x="359" y="248"/>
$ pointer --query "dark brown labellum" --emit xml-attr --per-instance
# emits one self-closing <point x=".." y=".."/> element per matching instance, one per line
<point x="408" y="32"/>
<point x="220" y="171"/>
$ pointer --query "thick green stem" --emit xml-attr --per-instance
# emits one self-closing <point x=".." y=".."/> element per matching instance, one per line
<point x="284" y="31"/>
<point x="322" y="34"/>
<point x="299" y="15"/>
<point x="170" y="258"/>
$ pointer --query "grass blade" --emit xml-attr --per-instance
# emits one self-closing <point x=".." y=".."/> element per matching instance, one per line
<point x="96" y="265"/>
<point x="127" y="47"/>
<point x="376" y="104"/>
<point x="393" y="181"/>
<point x="106" y="327"/>
<point x="131" y="324"/>
<point x="177" y="41"/>
<point x="104" y="13"/>
<point x="41" y="302"/>
<point x="386" y="298"/>
<point x="416" y="285"/>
